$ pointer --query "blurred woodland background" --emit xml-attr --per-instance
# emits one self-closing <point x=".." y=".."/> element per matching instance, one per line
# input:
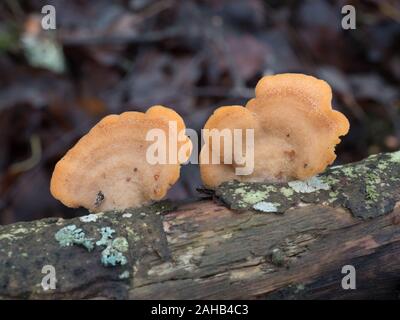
<point x="113" y="56"/>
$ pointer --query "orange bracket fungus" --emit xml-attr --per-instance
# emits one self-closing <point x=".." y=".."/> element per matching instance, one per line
<point x="295" y="132"/>
<point x="109" y="168"/>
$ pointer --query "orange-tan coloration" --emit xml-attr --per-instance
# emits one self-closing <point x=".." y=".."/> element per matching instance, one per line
<point x="295" y="131"/>
<point x="107" y="169"/>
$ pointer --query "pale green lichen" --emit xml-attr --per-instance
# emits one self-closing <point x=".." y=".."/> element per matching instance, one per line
<point x="89" y="218"/>
<point x="264" y="206"/>
<point x="383" y="165"/>
<point x="395" y="157"/>
<point x="71" y="235"/>
<point x="254" y="197"/>
<point x="15" y="233"/>
<point x="333" y="196"/>
<point x="6" y="236"/>
<point x="106" y="235"/>
<point x="124" y="275"/>
<point x="132" y="234"/>
<point x="330" y="180"/>
<point x="371" y="186"/>
<point x="300" y="287"/>
<point x="121" y="244"/>
<point x="311" y="185"/>
<point x="20" y="230"/>
<point x="251" y="197"/>
<point x="287" y="192"/>
<point x="113" y="253"/>
<point x="349" y="172"/>
<point x="111" y="256"/>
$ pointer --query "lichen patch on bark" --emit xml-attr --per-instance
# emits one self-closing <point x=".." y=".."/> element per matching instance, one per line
<point x="81" y="249"/>
<point x="367" y="189"/>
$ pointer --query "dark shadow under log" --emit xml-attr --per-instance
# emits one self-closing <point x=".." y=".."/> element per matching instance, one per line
<point x="205" y="249"/>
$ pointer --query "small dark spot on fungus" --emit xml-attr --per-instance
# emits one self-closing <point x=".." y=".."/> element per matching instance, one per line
<point x="305" y="165"/>
<point x="134" y="169"/>
<point x="128" y="179"/>
<point x="99" y="199"/>
<point x="291" y="154"/>
<point x="288" y="135"/>
<point x="279" y="175"/>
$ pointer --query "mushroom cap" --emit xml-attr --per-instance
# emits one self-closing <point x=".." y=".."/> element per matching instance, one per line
<point x="295" y="131"/>
<point x="107" y="169"/>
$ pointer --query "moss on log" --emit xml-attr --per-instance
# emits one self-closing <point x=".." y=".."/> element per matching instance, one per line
<point x="367" y="188"/>
<point x="96" y="250"/>
<point x="209" y="249"/>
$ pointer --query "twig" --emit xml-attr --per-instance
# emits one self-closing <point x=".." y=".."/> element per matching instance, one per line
<point x="102" y="39"/>
<point x="32" y="161"/>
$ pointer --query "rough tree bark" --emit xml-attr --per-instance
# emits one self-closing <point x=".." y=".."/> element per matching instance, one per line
<point x="265" y="241"/>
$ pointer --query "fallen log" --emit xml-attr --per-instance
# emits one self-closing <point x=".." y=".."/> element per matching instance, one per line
<point x="250" y="241"/>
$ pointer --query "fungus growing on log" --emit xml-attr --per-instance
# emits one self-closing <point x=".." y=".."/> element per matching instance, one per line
<point x="109" y="169"/>
<point x="295" y="132"/>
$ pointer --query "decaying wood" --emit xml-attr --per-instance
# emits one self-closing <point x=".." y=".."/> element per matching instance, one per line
<point x="205" y="249"/>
